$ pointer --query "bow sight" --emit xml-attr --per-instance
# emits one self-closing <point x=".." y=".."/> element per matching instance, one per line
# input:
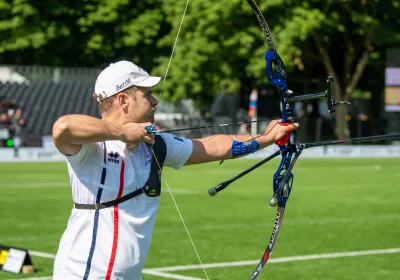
<point x="276" y="74"/>
<point x="331" y="101"/>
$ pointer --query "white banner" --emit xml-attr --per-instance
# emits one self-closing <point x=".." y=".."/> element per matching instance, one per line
<point x="343" y="151"/>
<point x="339" y="151"/>
<point x="30" y="154"/>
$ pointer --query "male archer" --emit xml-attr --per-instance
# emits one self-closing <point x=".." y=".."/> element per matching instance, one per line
<point x="115" y="166"/>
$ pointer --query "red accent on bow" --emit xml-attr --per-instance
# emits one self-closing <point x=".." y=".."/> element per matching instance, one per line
<point x="284" y="139"/>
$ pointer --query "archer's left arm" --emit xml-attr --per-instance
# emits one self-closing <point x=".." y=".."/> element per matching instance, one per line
<point x="223" y="147"/>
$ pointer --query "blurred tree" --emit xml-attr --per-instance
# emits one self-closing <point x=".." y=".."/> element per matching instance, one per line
<point x="345" y="37"/>
<point x="80" y="33"/>
<point x="221" y="46"/>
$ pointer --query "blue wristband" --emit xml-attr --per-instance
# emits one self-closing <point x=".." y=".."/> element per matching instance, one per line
<point x="244" y="148"/>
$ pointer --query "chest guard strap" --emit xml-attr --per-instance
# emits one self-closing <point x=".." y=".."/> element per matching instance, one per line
<point x="151" y="188"/>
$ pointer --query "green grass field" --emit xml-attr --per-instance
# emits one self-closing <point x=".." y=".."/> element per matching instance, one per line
<point x="336" y="206"/>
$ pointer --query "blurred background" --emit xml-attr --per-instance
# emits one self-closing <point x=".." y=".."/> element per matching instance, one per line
<point x="52" y="51"/>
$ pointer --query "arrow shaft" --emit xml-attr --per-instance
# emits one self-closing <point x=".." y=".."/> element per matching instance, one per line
<point x="209" y="126"/>
<point x="352" y="140"/>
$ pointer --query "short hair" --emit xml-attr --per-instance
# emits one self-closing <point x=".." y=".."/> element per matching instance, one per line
<point x="106" y="104"/>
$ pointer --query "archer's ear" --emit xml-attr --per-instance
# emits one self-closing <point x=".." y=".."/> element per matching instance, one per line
<point x="122" y="100"/>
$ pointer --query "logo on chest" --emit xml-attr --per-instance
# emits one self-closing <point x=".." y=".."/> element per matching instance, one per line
<point x="148" y="160"/>
<point x="113" y="157"/>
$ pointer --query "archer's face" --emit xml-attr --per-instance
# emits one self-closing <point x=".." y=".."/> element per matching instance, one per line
<point x="144" y="105"/>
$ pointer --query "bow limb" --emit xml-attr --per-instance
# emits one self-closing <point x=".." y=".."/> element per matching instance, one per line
<point x="283" y="177"/>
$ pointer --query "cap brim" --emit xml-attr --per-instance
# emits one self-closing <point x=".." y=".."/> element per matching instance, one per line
<point x="149" y="82"/>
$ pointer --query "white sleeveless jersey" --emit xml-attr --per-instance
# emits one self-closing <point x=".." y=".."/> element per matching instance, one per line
<point x="112" y="243"/>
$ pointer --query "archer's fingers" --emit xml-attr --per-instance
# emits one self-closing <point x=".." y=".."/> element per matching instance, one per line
<point x="291" y="127"/>
<point x="132" y="146"/>
<point x="151" y="135"/>
<point x="149" y="139"/>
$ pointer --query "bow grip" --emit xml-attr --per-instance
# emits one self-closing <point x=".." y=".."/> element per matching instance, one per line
<point x="284" y="139"/>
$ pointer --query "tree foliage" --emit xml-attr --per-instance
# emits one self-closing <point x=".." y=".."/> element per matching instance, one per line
<point x="220" y="48"/>
<point x="79" y="33"/>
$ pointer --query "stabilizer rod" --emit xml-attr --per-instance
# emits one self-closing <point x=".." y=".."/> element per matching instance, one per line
<point x="223" y="185"/>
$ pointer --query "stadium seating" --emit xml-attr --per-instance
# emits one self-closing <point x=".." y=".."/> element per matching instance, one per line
<point x="44" y="102"/>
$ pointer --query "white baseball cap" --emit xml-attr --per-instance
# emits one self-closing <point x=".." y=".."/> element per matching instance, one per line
<point x="119" y="76"/>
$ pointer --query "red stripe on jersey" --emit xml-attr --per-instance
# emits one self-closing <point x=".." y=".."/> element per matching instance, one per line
<point x="115" y="239"/>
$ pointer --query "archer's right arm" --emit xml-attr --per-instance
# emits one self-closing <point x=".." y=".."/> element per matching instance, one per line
<point x="70" y="132"/>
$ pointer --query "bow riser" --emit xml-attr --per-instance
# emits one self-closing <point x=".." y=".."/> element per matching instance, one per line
<point x="276" y="74"/>
<point x="287" y="153"/>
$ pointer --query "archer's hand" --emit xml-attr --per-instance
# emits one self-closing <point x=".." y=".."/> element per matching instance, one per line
<point x="134" y="133"/>
<point x="276" y="131"/>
